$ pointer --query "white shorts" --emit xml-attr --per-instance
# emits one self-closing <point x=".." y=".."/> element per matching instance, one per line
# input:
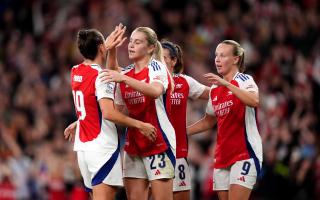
<point x="98" y="167"/>
<point x="242" y="172"/>
<point x="153" y="167"/>
<point x="182" y="178"/>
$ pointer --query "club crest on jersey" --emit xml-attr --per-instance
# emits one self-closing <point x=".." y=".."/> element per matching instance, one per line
<point x="110" y="87"/>
<point x="179" y="85"/>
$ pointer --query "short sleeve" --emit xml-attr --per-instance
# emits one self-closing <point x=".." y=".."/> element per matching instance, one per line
<point x="209" y="108"/>
<point x="118" y="96"/>
<point x="247" y="83"/>
<point x="195" y="88"/>
<point x="104" y="90"/>
<point x="158" y="73"/>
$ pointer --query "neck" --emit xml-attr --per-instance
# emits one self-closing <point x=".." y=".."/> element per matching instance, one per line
<point x="142" y="63"/>
<point x="229" y="76"/>
<point x="97" y="60"/>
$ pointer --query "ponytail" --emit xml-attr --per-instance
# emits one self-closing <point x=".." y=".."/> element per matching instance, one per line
<point x="241" y="62"/>
<point x="158" y="52"/>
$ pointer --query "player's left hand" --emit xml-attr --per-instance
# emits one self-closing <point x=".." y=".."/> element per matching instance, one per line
<point x="215" y="79"/>
<point x="108" y="75"/>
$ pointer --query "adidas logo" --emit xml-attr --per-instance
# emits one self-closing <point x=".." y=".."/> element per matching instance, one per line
<point x="157" y="172"/>
<point x="182" y="184"/>
<point x="215" y="98"/>
<point x="241" y="179"/>
<point x="229" y="93"/>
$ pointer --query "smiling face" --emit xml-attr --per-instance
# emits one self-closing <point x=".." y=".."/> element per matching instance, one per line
<point x="224" y="59"/>
<point x="138" y="47"/>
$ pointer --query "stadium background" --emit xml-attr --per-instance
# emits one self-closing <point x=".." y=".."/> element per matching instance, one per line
<point x="282" y="42"/>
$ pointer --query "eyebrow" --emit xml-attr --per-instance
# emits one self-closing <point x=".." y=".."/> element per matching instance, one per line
<point x="136" y="40"/>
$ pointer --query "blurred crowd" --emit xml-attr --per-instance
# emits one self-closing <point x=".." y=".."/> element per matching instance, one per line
<point x="281" y="40"/>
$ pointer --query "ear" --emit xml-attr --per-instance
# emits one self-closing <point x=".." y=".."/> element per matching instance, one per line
<point x="236" y="60"/>
<point x="174" y="61"/>
<point x="151" y="49"/>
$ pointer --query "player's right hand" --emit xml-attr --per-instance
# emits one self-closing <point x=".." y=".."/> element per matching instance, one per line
<point x="70" y="131"/>
<point x="149" y="131"/>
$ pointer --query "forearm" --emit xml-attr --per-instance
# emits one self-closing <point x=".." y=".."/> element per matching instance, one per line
<point x="151" y="90"/>
<point x="112" y="61"/>
<point x="121" y="119"/>
<point x="246" y="97"/>
<point x="203" y="124"/>
<point x="205" y="93"/>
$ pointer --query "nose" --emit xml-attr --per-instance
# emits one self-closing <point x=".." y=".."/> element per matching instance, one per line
<point x="130" y="45"/>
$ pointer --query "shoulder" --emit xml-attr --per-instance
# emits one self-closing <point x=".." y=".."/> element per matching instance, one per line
<point x="241" y="77"/>
<point x="127" y="69"/>
<point x="156" y="65"/>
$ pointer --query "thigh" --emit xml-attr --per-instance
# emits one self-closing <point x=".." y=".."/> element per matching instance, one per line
<point x="181" y="195"/>
<point x="136" y="188"/>
<point x="162" y="189"/>
<point x="239" y="192"/>
<point x="103" y="192"/>
<point x="221" y="179"/>
<point x="244" y="173"/>
<point x="133" y="167"/>
<point x="182" y="179"/>
<point x="159" y="166"/>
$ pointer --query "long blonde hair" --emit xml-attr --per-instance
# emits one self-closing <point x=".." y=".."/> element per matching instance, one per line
<point x="237" y="51"/>
<point x="157" y="54"/>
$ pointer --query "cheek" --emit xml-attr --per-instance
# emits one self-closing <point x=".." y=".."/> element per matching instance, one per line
<point x="141" y="50"/>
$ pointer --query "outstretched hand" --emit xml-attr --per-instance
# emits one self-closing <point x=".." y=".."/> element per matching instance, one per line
<point x="116" y="39"/>
<point x="215" y="79"/>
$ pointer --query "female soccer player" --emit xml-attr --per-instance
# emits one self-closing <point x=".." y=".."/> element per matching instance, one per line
<point x="96" y="140"/>
<point x="145" y="90"/>
<point x="185" y="87"/>
<point x="232" y="104"/>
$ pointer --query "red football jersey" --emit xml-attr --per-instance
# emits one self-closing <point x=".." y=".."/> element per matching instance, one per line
<point x="146" y="109"/>
<point x="238" y="136"/>
<point x="93" y="133"/>
<point x="184" y="87"/>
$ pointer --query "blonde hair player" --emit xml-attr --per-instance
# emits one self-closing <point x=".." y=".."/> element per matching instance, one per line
<point x="144" y="88"/>
<point x="233" y="106"/>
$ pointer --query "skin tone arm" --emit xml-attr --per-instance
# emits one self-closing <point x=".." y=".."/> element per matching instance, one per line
<point x="112" y="114"/>
<point x="153" y="90"/>
<point x="249" y="98"/>
<point x="117" y="117"/>
<point x="207" y="122"/>
<point x="205" y="94"/>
